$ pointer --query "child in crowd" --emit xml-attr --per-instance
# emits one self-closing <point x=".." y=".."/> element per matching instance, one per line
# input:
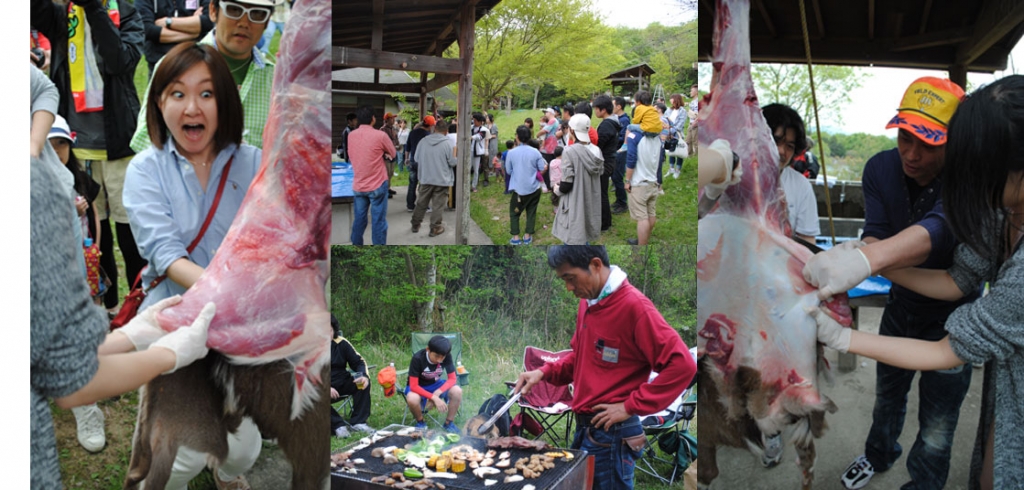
<point x="645" y="118"/>
<point x="432" y="382"/>
<point x="500" y="165"/>
<point x="555" y="172"/>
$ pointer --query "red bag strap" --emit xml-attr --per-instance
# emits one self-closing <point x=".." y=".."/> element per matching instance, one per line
<point x="202" y="230"/>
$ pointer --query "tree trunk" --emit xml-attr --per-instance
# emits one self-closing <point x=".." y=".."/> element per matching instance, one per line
<point x="427" y="313"/>
<point x="508" y="111"/>
<point x="536" y="92"/>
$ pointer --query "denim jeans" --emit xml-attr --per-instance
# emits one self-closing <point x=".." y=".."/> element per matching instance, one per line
<point x="618" y="177"/>
<point x="410" y="196"/>
<point x="376" y="202"/>
<point x="613" y="459"/>
<point x="940" y="393"/>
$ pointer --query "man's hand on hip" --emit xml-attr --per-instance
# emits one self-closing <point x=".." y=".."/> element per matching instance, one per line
<point x="608" y="414"/>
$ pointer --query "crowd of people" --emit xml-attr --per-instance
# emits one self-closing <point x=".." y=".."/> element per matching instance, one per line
<point x="943" y="222"/>
<point x="155" y="170"/>
<point x="626" y="154"/>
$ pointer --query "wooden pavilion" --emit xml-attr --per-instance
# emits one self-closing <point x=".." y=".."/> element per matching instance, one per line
<point x="412" y="35"/>
<point x="630" y="80"/>
<point x="931" y="34"/>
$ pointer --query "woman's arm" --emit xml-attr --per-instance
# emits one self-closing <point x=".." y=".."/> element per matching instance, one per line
<point x="120" y="373"/>
<point x="919" y="355"/>
<point x="184" y="272"/>
<point x="933" y="283"/>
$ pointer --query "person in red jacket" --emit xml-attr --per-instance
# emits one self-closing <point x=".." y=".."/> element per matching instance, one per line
<point x="620" y="339"/>
<point x="427" y="388"/>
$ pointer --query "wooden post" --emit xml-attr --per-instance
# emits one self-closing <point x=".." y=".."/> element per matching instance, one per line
<point x="958" y="75"/>
<point x="423" y="95"/>
<point x="467" y="37"/>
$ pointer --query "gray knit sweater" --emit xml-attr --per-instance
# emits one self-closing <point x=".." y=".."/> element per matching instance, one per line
<point x="66" y="327"/>
<point x="991" y="330"/>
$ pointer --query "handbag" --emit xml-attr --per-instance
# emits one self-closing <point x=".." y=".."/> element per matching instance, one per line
<point x="131" y="304"/>
<point x="671" y="143"/>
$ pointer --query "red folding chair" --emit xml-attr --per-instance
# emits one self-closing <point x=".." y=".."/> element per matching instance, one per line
<point x="547" y="404"/>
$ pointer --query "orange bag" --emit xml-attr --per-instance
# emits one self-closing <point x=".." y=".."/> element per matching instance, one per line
<point x="386" y="379"/>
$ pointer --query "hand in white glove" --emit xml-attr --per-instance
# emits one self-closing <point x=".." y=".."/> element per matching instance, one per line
<point x="189" y="343"/>
<point x="721" y="146"/>
<point x="836" y="271"/>
<point x="557" y="191"/>
<point x="830" y="332"/>
<point x="143" y="330"/>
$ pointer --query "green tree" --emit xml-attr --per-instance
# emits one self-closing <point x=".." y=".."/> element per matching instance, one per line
<point x="535" y="42"/>
<point x="790" y="85"/>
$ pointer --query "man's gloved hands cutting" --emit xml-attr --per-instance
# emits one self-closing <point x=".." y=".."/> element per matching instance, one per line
<point x="837" y="270"/>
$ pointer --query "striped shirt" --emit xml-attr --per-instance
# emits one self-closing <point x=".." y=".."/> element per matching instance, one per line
<point x="255" y="92"/>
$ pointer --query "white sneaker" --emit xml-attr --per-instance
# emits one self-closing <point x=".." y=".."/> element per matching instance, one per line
<point x="675" y="173"/>
<point x="858" y="474"/>
<point x="341" y="432"/>
<point x="363" y="428"/>
<point x="90" y="427"/>
<point x="396" y="174"/>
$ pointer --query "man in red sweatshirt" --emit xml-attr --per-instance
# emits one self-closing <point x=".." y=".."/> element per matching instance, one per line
<point x="620" y="339"/>
<point x="426" y="385"/>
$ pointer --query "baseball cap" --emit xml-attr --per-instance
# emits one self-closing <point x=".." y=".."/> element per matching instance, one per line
<point x="60" y="129"/>
<point x="388" y="115"/>
<point x="580" y="124"/>
<point x="550" y="110"/>
<point x="926" y="108"/>
<point x="429" y="121"/>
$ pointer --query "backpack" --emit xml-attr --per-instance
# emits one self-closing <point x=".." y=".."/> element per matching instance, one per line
<point x="491" y="407"/>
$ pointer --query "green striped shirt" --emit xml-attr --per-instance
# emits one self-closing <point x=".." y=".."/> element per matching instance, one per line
<point x="255" y="92"/>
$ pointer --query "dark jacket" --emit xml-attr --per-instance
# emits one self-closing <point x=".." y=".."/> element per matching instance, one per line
<point x="343" y="355"/>
<point x="151" y="10"/>
<point x="118" y="50"/>
<point x="608" y="142"/>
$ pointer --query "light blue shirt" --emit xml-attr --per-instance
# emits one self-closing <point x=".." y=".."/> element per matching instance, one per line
<point x="167" y="206"/>
<point x="523" y="162"/>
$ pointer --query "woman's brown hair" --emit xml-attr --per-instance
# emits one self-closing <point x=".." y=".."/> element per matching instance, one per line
<point x="229" y="104"/>
<point x="676" y="100"/>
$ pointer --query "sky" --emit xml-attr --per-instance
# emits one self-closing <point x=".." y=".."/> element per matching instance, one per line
<point x="640" y="13"/>
<point x="875" y="102"/>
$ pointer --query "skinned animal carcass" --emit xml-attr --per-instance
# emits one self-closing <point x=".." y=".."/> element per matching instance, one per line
<point x="269" y="340"/>
<point x="759" y="346"/>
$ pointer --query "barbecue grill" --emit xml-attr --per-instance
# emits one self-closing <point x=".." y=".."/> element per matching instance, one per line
<point x="575" y="475"/>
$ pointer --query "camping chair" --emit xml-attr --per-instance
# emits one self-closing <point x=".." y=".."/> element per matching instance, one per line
<point x="546" y="403"/>
<point x="668" y="432"/>
<point x="419" y="342"/>
<point x="344" y="404"/>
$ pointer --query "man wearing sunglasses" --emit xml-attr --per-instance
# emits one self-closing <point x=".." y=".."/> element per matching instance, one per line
<point x="238" y="26"/>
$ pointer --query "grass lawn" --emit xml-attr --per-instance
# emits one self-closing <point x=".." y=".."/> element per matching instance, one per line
<point x="677" y="209"/>
<point x="489" y="368"/>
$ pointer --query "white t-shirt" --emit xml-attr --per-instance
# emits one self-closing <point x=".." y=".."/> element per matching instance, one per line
<point x="800" y="201"/>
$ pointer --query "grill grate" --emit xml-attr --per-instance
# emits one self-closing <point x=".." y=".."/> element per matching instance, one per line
<point x="466" y="480"/>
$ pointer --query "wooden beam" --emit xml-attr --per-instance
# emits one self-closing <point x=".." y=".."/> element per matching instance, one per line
<point x="924" y="17"/>
<point x="932" y="39"/>
<point x="998" y="18"/>
<point x="871" y="20"/>
<point x="845" y="51"/>
<point x="440" y="81"/>
<point x="958" y="75"/>
<point x="446" y="28"/>
<point x="767" y="18"/>
<point x="817" y="16"/>
<point x="404" y="88"/>
<point x="467" y="37"/>
<point x="423" y="95"/>
<point x="378" y="25"/>
<point x="344" y="57"/>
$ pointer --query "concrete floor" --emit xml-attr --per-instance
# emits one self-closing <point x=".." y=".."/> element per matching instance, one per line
<point x="400" y="227"/>
<point x="853" y="392"/>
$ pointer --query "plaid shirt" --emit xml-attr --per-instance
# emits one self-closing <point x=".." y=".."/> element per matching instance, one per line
<point x="255" y="92"/>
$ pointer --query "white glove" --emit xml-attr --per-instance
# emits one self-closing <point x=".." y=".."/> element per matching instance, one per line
<point x="836" y="271"/>
<point x="143" y="330"/>
<point x="557" y="191"/>
<point x="714" y="191"/>
<point x="188" y="343"/>
<point x="850" y="245"/>
<point x="830" y="332"/>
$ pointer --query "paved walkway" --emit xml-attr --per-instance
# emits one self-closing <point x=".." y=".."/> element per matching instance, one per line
<point x="400" y="227"/>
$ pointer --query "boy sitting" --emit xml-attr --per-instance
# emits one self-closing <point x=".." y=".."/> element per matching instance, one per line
<point x="426" y="388"/>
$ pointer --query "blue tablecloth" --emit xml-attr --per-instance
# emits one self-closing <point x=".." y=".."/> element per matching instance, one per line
<point x="871" y="285"/>
<point x="341" y="179"/>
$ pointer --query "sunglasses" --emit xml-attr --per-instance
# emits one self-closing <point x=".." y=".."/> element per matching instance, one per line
<point x="257" y="15"/>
